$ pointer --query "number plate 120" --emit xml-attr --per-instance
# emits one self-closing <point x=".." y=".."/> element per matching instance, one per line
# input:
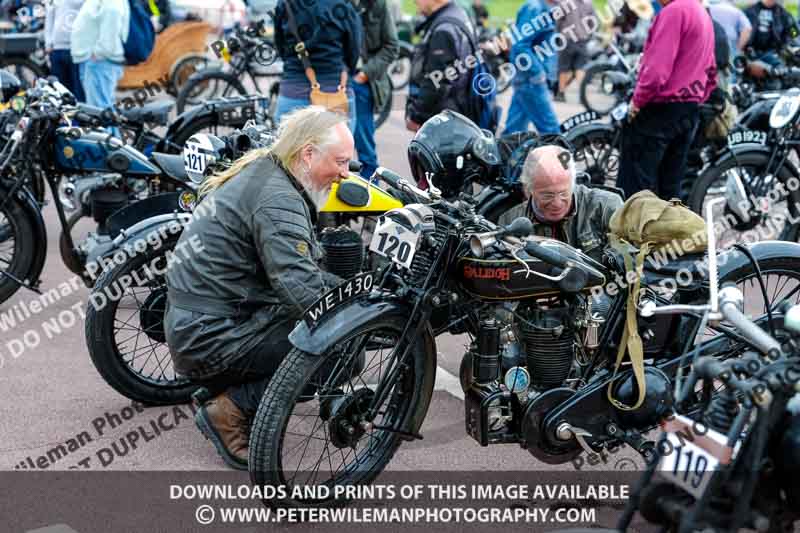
<point x="394" y="241"/>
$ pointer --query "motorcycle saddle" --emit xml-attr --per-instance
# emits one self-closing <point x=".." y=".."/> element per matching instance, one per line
<point x="152" y="113"/>
<point x="172" y="165"/>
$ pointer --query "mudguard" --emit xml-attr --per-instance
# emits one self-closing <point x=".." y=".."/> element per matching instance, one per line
<point x="731" y="260"/>
<point x="356" y="314"/>
<point x="163" y="226"/>
<point x="32" y="210"/>
<point x="739" y="151"/>
<point x="588" y="127"/>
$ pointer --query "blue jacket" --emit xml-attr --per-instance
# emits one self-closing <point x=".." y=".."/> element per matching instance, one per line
<point x="332" y="33"/>
<point x="533" y="18"/>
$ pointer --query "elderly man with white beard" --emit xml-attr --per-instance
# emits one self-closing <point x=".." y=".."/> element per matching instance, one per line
<point x="230" y="309"/>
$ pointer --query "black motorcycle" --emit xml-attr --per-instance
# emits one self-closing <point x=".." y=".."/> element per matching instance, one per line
<point x="598" y="144"/>
<point x="360" y="378"/>
<point x="738" y="469"/>
<point x="757" y="177"/>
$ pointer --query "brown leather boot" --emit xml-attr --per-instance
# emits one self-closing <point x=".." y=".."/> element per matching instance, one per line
<point x="224" y="424"/>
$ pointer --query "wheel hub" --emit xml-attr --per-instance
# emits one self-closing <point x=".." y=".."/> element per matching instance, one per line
<point x="344" y="417"/>
<point x="151" y="315"/>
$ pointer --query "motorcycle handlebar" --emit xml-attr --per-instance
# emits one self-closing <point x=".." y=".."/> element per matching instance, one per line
<point x="748" y="329"/>
<point x="548" y="256"/>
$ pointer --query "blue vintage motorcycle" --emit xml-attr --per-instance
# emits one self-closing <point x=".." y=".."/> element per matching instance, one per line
<point x="41" y="146"/>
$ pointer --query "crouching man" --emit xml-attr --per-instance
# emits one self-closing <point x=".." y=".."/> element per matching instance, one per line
<point x="558" y="207"/>
<point x="231" y="309"/>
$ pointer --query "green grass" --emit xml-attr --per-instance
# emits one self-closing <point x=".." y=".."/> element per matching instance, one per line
<point x="502" y="10"/>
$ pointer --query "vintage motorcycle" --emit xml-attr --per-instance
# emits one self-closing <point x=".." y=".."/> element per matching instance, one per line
<point x="42" y="147"/>
<point x="757" y="177"/>
<point x="732" y="464"/>
<point x="125" y="336"/>
<point x="537" y="370"/>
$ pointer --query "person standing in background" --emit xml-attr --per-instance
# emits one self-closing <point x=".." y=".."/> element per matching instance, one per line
<point x="677" y="72"/>
<point x="96" y="44"/>
<point x="736" y="25"/>
<point x="332" y="34"/>
<point x="773" y="27"/>
<point x="447" y="37"/>
<point x="59" y="18"/>
<point x="572" y="58"/>
<point x="371" y="84"/>
<point x="531" y="101"/>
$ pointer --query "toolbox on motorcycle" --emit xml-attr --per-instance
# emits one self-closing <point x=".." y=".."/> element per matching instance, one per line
<point x="18" y="43"/>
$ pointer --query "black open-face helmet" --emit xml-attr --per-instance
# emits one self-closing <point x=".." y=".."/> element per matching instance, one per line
<point x="454" y="151"/>
<point x="9" y="85"/>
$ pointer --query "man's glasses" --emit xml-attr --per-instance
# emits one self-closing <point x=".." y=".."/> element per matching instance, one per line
<point x="549" y="197"/>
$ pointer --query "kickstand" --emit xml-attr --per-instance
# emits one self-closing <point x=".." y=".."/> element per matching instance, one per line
<point x="32" y="287"/>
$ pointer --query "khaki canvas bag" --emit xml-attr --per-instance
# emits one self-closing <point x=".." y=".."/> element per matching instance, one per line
<point x="650" y="224"/>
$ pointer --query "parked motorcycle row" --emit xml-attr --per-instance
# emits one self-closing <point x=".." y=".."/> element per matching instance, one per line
<point x="542" y="351"/>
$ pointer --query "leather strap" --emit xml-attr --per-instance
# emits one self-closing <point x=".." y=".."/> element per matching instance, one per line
<point x="302" y="52"/>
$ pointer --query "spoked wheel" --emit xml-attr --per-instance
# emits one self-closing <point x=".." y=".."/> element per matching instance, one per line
<point x="740" y="219"/>
<point x="17" y="241"/>
<point x="125" y="330"/>
<point x="314" y="427"/>
<point x="183" y="69"/>
<point x="597" y="154"/>
<point x="591" y="91"/>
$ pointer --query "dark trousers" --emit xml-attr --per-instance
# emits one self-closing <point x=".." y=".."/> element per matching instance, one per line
<point x="655" y="146"/>
<point x="246" y="379"/>
<point x="67" y="72"/>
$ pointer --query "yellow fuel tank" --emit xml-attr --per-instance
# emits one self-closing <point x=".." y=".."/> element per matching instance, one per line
<point x="357" y="195"/>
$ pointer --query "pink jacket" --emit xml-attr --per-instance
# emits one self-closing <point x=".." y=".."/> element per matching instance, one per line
<point x="678" y="62"/>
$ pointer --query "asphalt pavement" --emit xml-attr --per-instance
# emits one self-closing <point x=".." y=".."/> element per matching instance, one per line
<point x="59" y="414"/>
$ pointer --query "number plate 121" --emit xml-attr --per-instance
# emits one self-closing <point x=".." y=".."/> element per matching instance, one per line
<point x="394" y="241"/>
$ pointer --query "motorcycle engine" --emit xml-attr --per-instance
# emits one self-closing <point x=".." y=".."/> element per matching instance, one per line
<point x="344" y="251"/>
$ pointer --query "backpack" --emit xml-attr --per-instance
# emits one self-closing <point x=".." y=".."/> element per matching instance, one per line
<point x="650" y="224"/>
<point x="141" y="35"/>
<point x="481" y="104"/>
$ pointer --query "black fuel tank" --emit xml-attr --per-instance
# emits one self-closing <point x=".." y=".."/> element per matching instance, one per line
<point x="500" y="276"/>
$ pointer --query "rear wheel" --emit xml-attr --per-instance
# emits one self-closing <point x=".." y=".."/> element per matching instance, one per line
<point x="125" y="335"/>
<point x="311" y="426"/>
<point x="597" y="153"/>
<point x="591" y="91"/>
<point x="206" y="86"/>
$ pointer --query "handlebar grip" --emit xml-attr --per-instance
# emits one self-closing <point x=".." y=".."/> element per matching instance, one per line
<point x="548" y="256"/>
<point x="748" y="329"/>
<point x="389" y="177"/>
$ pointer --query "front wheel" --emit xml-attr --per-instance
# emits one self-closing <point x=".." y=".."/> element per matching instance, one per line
<point x="764" y="214"/>
<point x="312" y="426"/>
<point x="18" y="241"/>
<point x="125" y="329"/>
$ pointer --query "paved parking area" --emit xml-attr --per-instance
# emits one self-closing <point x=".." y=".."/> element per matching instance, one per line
<point x="58" y="413"/>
